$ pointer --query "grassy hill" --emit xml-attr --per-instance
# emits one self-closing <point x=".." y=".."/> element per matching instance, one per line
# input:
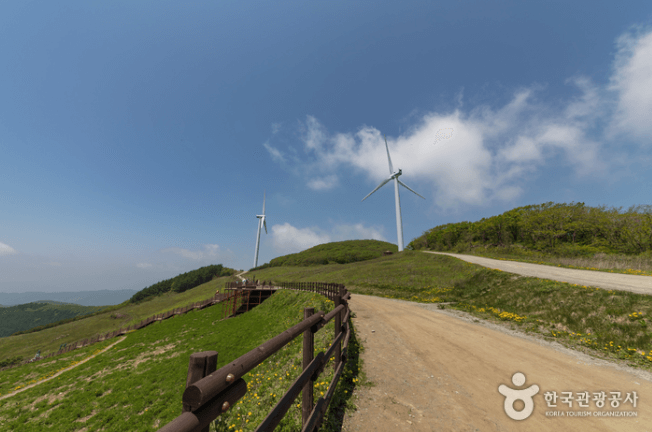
<point x="570" y="235"/>
<point x="142" y="378"/>
<point x="113" y="318"/>
<point x="30" y="315"/>
<point x="598" y="321"/>
<point x="137" y="385"/>
<point x="343" y="252"/>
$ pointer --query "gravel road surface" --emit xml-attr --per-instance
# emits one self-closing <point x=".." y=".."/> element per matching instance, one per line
<point x="616" y="281"/>
<point x="437" y="370"/>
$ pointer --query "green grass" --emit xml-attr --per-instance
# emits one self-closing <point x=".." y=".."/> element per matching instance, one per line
<point x="29" y="315"/>
<point x="403" y="274"/>
<point x="137" y="385"/>
<point x="343" y="252"/>
<point x="49" y="340"/>
<point x="114" y="389"/>
<point x="640" y="265"/>
<point x="583" y="317"/>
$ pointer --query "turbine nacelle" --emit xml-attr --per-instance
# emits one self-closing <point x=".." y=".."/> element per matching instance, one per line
<point x="264" y="222"/>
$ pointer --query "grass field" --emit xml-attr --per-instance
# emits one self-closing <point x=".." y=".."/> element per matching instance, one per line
<point x="602" y="322"/>
<point x="49" y="340"/>
<point x="137" y="385"/>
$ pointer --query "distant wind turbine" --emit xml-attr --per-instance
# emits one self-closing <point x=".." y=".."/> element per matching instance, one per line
<point x="261" y="223"/>
<point x="394" y="176"/>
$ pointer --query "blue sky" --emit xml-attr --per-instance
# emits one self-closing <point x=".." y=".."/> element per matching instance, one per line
<point x="137" y="138"/>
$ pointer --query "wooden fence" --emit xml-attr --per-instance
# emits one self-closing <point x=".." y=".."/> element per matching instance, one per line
<point x="326" y="289"/>
<point x="211" y="392"/>
<point x="233" y="300"/>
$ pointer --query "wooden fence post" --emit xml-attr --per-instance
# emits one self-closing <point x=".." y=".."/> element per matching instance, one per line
<point x="308" y="352"/>
<point x="201" y="364"/>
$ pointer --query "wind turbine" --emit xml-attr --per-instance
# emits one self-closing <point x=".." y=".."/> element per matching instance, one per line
<point x="394" y="176"/>
<point x="261" y="223"/>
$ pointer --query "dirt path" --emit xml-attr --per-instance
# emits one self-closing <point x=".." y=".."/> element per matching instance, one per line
<point x="440" y="371"/>
<point x="62" y="371"/>
<point x="617" y="281"/>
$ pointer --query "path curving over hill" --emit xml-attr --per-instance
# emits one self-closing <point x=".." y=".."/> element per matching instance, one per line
<point x="616" y="281"/>
<point x="439" y="370"/>
<point x="81" y="362"/>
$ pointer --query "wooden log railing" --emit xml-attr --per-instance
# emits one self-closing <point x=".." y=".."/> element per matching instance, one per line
<point x="217" y="391"/>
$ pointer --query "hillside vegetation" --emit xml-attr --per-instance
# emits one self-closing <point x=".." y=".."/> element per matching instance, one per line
<point x="573" y="234"/>
<point x="27" y="316"/>
<point x="182" y="282"/>
<point x="137" y="385"/>
<point x="601" y="322"/>
<point x="142" y="378"/>
<point x="343" y="252"/>
<point x="112" y="318"/>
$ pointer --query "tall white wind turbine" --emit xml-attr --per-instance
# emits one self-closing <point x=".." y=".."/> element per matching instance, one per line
<point x="261" y="223"/>
<point x="394" y="176"/>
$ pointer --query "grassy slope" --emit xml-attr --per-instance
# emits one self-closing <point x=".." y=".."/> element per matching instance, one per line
<point x="598" y="321"/>
<point x="49" y="340"/>
<point x="591" y="317"/>
<point x="138" y="384"/>
<point x="640" y="265"/>
<point x="26" y="316"/>
<point x="342" y="252"/>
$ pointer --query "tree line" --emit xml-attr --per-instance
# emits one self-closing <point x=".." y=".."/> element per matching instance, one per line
<point x="182" y="282"/>
<point x="571" y="229"/>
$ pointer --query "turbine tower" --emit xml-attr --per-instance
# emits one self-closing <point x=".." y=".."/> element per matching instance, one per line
<point x="261" y="223"/>
<point x="394" y="176"/>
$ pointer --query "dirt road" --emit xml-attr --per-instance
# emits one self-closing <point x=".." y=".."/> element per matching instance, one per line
<point x="440" y="371"/>
<point x="617" y="281"/>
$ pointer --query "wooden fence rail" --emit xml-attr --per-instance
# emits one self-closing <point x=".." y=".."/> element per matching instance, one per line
<point x="329" y="290"/>
<point x="211" y="392"/>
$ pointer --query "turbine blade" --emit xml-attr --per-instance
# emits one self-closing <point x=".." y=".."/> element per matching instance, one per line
<point x="389" y="159"/>
<point x="263" y="202"/>
<point x="265" y="224"/>
<point x="377" y="187"/>
<point x="406" y="187"/>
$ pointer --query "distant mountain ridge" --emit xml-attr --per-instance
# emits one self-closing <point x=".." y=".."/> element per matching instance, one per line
<point x="30" y="315"/>
<point x="82" y="298"/>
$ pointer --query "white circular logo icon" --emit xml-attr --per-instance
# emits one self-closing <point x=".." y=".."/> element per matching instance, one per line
<point x="512" y="395"/>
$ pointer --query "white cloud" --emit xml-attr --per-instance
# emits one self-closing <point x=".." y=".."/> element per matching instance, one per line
<point x="6" y="250"/>
<point x="495" y="150"/>
<point x="323" y="183"/>
<point x="289" y="239"/>
<point x="314" y="134"/>
<point x="632" y="82"/>
<point x="276" y="154"/>
<point x="210" y="251"/>
<point x="276" y="127"/>
<point x="143" y="265"/>
<point x="356" y="232"/>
